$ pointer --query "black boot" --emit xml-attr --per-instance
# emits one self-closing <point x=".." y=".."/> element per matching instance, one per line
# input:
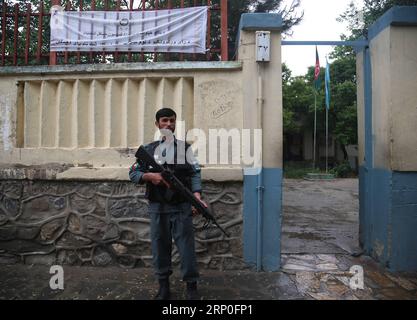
<point x="163" y="293"/>
<point x="192" y="293"/>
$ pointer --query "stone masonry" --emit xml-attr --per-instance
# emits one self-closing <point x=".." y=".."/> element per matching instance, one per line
<point x="106" y="224"/>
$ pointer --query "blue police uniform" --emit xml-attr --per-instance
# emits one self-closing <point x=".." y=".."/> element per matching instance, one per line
<point x="171" y="215"/>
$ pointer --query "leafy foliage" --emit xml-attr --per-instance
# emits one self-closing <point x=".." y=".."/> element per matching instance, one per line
<point x="298" y="102"/>
<point x="360" y="20"/>
<point x="342" y="170"/>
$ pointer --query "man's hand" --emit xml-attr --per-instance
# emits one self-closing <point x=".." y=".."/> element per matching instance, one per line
<point x="198" y="196"/>
<point x="155" y="178"/>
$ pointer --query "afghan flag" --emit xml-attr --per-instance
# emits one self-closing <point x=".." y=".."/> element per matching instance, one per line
<point x="317" y="83"/>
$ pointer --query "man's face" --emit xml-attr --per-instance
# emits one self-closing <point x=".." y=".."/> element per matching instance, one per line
<point x="167" y="123"/>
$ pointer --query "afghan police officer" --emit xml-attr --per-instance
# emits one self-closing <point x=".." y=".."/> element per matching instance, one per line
<point x="171" y="216"/>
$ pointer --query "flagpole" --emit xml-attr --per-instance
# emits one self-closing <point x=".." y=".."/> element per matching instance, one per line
<point x="315" y="120"/>
<point x="317" y="87"/>
<point x="327" y="134"/>
<point x="327" y="87"/>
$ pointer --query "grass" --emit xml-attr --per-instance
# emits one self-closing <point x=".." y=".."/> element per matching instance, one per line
<point x="297" y="170"/>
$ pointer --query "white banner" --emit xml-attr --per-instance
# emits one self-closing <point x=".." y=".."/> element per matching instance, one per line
<point x="176" y="30"/>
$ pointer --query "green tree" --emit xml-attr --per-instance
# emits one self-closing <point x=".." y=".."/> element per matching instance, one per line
<point x="291" y="15"/>
<point x="22" y="6"/>
<point x="298" y="98"/>
<point x="344" y="113"/>
<point x="298" y="102"/>
<point x="359" y="21"/>
<point x="343" y="101"/>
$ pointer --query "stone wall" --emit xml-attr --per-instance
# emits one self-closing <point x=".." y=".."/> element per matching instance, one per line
<point x="105" y="223"/>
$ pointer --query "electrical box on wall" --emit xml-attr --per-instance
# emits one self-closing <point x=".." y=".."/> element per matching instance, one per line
<point x="263" y="45"/>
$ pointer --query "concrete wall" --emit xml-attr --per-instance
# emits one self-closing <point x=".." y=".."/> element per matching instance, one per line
<point x="381" y="104"/>
<point x="403" y="71"/>
<point x="86" y="123"/>
<point x="360" y="73"/>
<point x="394" y="84"/>
<point x="387" y="120"/>
<point x="263" y="186"/>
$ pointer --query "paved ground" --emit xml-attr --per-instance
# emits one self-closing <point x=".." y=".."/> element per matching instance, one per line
<point x="321" y="281"/>
<point x="320" y="217"/>
<point x="320" y="226"/>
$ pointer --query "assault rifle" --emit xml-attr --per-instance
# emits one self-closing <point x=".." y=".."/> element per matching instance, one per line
<point x="145" y="158"/>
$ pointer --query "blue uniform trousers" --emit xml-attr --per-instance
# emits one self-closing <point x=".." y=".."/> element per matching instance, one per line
<point x="176" y="223"/>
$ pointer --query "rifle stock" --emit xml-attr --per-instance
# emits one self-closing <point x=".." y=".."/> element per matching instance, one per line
<point x="176" y="184"/>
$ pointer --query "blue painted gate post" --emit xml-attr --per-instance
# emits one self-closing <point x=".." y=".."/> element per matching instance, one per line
<point x="387" y="121"/>
<point x="262" y="109"/>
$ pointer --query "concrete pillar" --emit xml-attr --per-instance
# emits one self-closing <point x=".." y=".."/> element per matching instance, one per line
<point x="262" y="108"/>
<point x="387" y="100"/>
